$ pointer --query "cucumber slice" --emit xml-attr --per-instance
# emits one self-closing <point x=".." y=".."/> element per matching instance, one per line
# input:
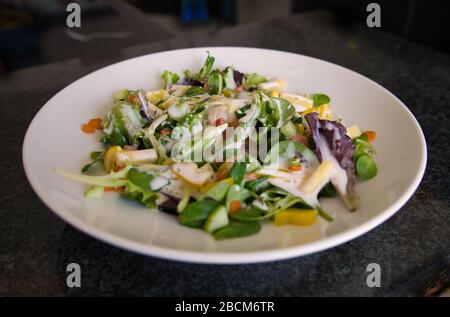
<point x="217" y="192"/>
<point x="289" y="129"/>
<point x="217" y="219"/>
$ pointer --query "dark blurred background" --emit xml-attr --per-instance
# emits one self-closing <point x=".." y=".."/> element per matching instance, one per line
<point x="35" y="32"/>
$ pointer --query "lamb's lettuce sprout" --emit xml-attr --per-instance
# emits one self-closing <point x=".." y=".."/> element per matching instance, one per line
<point x="191" y="145"/>
<point x="237" y="172"/>
<point x="162" y="157"/>
<point x="170" y="78"/>
<point x="288" y="150"/>
<point x="96" y="157"/>
<point x="203" y="74"/>
<point x="194" y="91"/>
<point x="282" y="112"/>
<point x="136" y="183"/>
<point x="253" y="80"/>
<point x="273" y="112"/>
<point x="138" y="188"/>
<point x="114" y="179"/>
<point x="215" y="82"/>
<point x="257" y="184"/>
<point x="123" y="125"/>
<point x="320" y="99"/>
<point x="228" y="77"/>
<point x="237" y="230"/>
<point x="251" y="114"/>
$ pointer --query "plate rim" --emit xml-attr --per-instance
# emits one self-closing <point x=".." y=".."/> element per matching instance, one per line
<point x="243" y="257"/>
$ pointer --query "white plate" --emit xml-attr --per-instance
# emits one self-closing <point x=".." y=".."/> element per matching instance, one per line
<point x="54" y="140"/>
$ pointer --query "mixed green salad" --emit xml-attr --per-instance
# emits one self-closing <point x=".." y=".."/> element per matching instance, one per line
<point x="186" y="149"/>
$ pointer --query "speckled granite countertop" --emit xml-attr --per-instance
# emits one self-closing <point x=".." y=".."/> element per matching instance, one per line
<point x="36" y="246"/>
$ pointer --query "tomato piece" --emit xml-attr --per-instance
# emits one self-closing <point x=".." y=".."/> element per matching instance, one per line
<point x="219" y="122"/>
<point x="96" y="123"/>
<point x="235" y="206"/>
<point x="87" y="128"/>
<point x="371" y="135"/>
<point x="114" y="189"/>
<point x="295" y="168"/>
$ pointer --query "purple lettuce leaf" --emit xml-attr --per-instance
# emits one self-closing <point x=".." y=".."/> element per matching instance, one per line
<point x="144" y="103"/>
<point x="190" y="82"/>
<point x="238" y="77"/>
<point x="341" y="147"/>
<point x="170" y="205"/>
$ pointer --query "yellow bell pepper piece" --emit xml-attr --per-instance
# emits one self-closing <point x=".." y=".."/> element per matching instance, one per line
<point x="319" y="178"/>
<point x="109" y="160"/>
<point x="296" y="217"/>
<point x="323" y="111"/>
<point x="156" y="96"/>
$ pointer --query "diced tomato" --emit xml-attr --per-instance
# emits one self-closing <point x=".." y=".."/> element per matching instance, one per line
<point x="295" y="168"/>
<point x="87" y="128"/>
<point x="205" y="85"/>
<point x="219" y="122"/>
<point x="96" y="123"/>
<point x="371" y="135"/>
<point x="114" y="189"/>
<point x="239" y="89"/>
<point x="235" y="206"/>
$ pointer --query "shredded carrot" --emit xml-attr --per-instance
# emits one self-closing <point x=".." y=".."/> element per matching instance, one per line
<point x="235" y="206"/>
<point x="96" y="123"/>
<point x="87" y="128"/>
<point x="205" y="85"/>
<point x="371" y="135"/>
<point x="114" y="189"/>
<point x="295" y="168"/>
<point x="239" y="89"/>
